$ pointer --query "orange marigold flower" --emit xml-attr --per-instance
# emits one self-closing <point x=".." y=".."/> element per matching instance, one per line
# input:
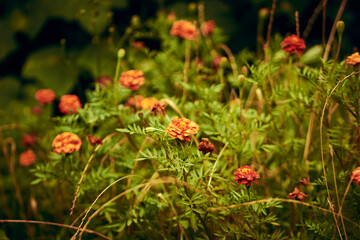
<point x="171" y="17"/>
<point x="208" y="27"/>
<point x="44" y="96"/>
<point x="66" y="143"/>
<point x="148" y="103"/>
<point x="297" y="194"/>
<point x="246" y="175"/>
<point x="104" y="81"/>
<point x="182" y="128"/>
<point x="27" y="158"/>
<point x="28" y="140"/>
<point x="355" y="176"/>
<point x="94" y="140"/>
<point x="69" y="104"/>
<point x="184" y="29"/>
<point x="132" y="79"/>
<point x="293" y="44"/>
<point x="206" y="146"/>
<point x="353" y="59"/>
<point x="158" y="107"/>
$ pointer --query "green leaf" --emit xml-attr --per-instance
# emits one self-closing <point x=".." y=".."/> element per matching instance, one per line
<point x="312" y="56"/>
<point x="49" y="68"/>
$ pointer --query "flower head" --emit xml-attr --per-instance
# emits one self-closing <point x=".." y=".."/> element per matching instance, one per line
<point x="355" y="176"/>
<point x="66" y="143"/>
<point x="69" y="104"/>
<point x="305" y="181"/>
<point x="171" y="16"/>
<point x="297" y="194"/>
<point x="36" y="110"/>
<point x="138" y="45"/>
<point x="184" y="29"/>
<point x="158" y="107"/>
<point x="246" y="175"/>
<point x="353" y="59"/>
<point x="135" y="102"/>
<point x="207" y="28"/>
<point x="148" y="103"/>
<point x="132" y="79"/>
<point x="206" y="146"/>
<point x="44" y="96"/>
<point x="182" y="128"/>
<point x="104" y="81"/>
<point x="27" y="158"/>
<point x="293" y="44"/>
<point x="95" y="140"/>
<point x="28" y="140"/>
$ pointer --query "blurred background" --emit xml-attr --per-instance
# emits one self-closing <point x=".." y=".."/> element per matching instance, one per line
<point x="36" y="34"/>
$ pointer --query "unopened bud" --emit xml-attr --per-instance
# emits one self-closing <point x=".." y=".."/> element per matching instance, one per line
<point x="135" y="21"/>
<point x="264" y="13"/>
<point x="340" y="26"/>
<point x="245" y="70"/>
<point x="121" y="53"/>
<point x="192" y="7"/>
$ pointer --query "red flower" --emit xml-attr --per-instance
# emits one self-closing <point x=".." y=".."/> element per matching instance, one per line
<point x="138" y="45"/>
<point x="158" y="107"/>
<point x="182" y="128"/>
<point x="28" y="140"/>
<point x="69" y="104"/>
<point x="208" y="27"/>
<point x="293" y="44"/>
<point x="206" y="146"/>
<point x="297" y="194"/>
<point x="66" y="143"/>
<point x="132" y="79"/>
<point x="36" y="110"/>
<point x="95" y="140"/>
<point x="246" y="175"/>
<point x="355" y="176"/>
<point x="44" y="96"/>
<point x="27" y="158"/>
<point x="305" y="181"/>
<point x="184" y="29"/>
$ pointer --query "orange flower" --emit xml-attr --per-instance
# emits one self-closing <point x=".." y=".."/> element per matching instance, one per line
<point x="132" y="79"/>
<point x="158" y="107"/>
<point x="184" y="29"/>
<point x="297" y="194"/>
<point x="355" y="176"/>
<point x="182" y="128"/>
<point x="148" y="103"/>
<point x="206" y="146"/>
<point x="354" y="59"/>
<point x="44" y="96"/>
<point x="27" y="158"/>
<point x="94" y="140"/>
<point x="246" y="175"/>
<point x="171" y="17"/>
<point x="293" y="44"/>
<point x="66" y="143"/>
<point x="28" y="140"/>
<point x="208" y="27"/>
<point x="69" y="104"/>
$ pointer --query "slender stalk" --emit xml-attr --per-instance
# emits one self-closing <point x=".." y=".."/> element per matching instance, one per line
<point x="268" y="36"/>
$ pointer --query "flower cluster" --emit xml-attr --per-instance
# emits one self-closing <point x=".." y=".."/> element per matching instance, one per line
<point x="355" y="176"/>
<point x="182" y="128"/>
<point x="293" y="44"/>
<point x="44" y="96"/>
<point x="246" y="175"/>
<point x="353" y="59"/>
<point x="297" y="194"/>
<point x="66" y="143"/>
<point x="27" y="158"/>
<point x="184" y="29"/>
<point x="69" y="104"/>
<point x="132" y="79"/>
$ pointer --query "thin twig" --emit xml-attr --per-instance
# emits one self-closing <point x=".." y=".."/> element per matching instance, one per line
<point x="268" y="36"/>
<point x="297" y="23"/>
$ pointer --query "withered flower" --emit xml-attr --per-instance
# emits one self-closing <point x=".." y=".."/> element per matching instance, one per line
<point x="94" y="140"/>
<point x="355" y="176"/>
<point x="206" y="146"/>
<point x="158" y="107"/>
<point x="297" y="194"/>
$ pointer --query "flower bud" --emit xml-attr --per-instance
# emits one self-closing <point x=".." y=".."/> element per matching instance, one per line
<point x="264" y="13"/>
<point x="121" y="53"/>
<point x="340" y="26"/>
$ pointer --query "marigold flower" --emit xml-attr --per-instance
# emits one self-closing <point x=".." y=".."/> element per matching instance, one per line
<point x="206" y="146"/>
<point x="66" y="143"/>
<point x="104" y="81"/>
<point x="69" y="104"/>
<point x="171" y="17"/>
<point x="305" y="181"/>
<point x="36" y="110"/>
<point x="132" y="79"/>
<point x="207" y="28"/>
<point x="95" y="140"/>
<point x="355" y="176"/>
<point x="28" y="140"/>
<point x="148" y="103"/>
<point x="138" y="45"/>
<point x="184" y="29"/>
<point x="246" y="175"/>
<point x="353" y="59"/>
<point x="297" y="194"/>
<point x="27" y="158"/>
<point x="293" y="44"/>
<point x="158" y="107"/>
<point x="182" y="128"/>
<point x="44" y="96"/>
